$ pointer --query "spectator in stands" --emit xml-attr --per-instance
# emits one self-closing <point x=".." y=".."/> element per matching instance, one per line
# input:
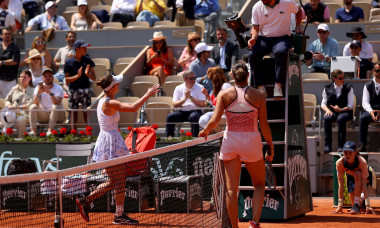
<point x="358" y="34"/>
<point x="123" y="11"/>
<point x="270" y="32"/>
<point x="201" y="65"/>
<point x="225" y="53"/>
<point x="207" y="10"/>
<point x="15" y="8"/>
<point x="375" y="4"/>
<point x="337" y="102"/>
<point x="316" y="12"/>
<point x="78" y="72"/>
<point x="371" y="106"/>
<point x="159" y="58"/>
<point x="150" y="10"/>
<point x="19" y="99"/>
<point x="219" y="82"/>
<point x="183" y="12"/>
<point x="84" y="19"/>
<point x="39" y="43"/>
<point x="64" y="53"/>
<point x="9" y="62"/>
<point x="322" y="50"/>
<point x="188" y="97"/>
<point x="47" y="99"/>
<point x="366" y="66"/>
<point x="30" y="7"/>
<point x="48" y="19"/>
<point x="349" y="13"/>
<point x="189" y="54"/>
<point x="35" y="62"/>
<point x="6" y="19"/>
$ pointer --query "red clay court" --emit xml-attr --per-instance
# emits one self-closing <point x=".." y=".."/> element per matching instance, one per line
<point x="319" y="217"/>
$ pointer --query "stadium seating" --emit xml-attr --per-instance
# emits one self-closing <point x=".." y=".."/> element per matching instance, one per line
<point x="128" y="119"/>
<point x="332" y="8"/>
<point x="169" y="87"/>
<point x="366" y="8"/>
<point x="112" y="25"/>
<point x="157" y="109"/>
<point x="310" y="100"/>
<point x="101" y="7"/>
<point x="160" y="24"/>
<point x="138" y="24"/>
<point x="315" y="76"/>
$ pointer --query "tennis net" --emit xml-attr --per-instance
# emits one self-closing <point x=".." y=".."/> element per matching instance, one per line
<point x="170" y="186"/>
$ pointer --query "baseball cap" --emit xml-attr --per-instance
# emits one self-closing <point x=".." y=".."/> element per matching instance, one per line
<point x="82" y="2"/>
<point x="323" y="27"/>
<point x="349" y="146"/>
<point x="202" y="47"/>
<point x="47" y="69"/>
<point x="49" y="4"/>
<point x="356" y="43"/>
<point x="81" y="43"/>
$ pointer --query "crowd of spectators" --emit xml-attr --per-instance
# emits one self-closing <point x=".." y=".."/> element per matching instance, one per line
<point x="199" y="64"/>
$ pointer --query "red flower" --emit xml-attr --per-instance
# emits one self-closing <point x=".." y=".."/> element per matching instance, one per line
<point x="25" y="134"/>
<point x="9" y="131"/>
<point x="130" y="128"/>
<point x="119" y="130"/>
<point x="82" y="132"/>
<point x="189" y="134"/>
<point x="88" y="128"/>
<point x="54" y="132"/>
<point x="43" y="134"/>
<point x="155" y="126"/>
<point x="63" y="130"/>
<point x="182" y="131"/>
<point x="73" y="132"/>
<point x="89" y="133"/>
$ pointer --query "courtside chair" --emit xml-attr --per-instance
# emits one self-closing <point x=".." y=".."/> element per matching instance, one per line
<point x="176" y="78"/>
<point x="315" y="76"/>
<point x="169" y="87"/>
<point x="112" y="25"/>
<point x="157" y="112"/>
<point x="125" y="60"/>
<point x="146" y="78"/>
<point x="140" y="88"/>
<point x="164" y="24"/>
<point x="310" y="100"/>
<point x="100" y="71"/>
<point x="138" y="24"/>
<point x="102" y="61"/>
<point x="119" y="67"/>
<point x="366" y="8"/>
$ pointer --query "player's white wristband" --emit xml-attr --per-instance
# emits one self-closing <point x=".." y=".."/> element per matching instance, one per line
<point x="367" y="202"/>
<point x="340" y="202"/>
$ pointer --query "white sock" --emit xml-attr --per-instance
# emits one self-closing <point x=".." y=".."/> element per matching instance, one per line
<point x="119" y="210"/>
<point x="357" y="200"/>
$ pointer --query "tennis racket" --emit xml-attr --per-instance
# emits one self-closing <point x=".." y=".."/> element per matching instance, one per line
<point x="270" y="177"/>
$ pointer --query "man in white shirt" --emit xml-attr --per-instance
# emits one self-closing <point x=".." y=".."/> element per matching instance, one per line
<point x="358" y="34"/>
<point x="371" y="105"/>
<point x="337" y="102"/>
<point x="271" y="32"/>
<point x="48" y="98"/>
<point x="123" y="11"/>
<point x="49" y="19"/>
<point x="6" y="19"/>
<point x="64" y="53"/>
<point x="188" y="97"/>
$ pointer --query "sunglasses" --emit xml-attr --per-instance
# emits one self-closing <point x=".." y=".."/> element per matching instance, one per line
<point x="53" y="6"/>
<point x="191" y="79"/>
<point x="322" y="32"/>
<point x="340" y="79"/>
<point x="40" y="42"/>
<point x="377" y="71"/>
<point x="196" y="40"/>
<point x="158" y="42"/>
<point x="36" y="58"/>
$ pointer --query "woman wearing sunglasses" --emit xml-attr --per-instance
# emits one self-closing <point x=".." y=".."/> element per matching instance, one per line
<point x="35" y="66"/>
<point x="189" y="54"/>
<point x="84" y="19"/>
<point x="39" y="43"/>
<point x="159" y="57"/>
